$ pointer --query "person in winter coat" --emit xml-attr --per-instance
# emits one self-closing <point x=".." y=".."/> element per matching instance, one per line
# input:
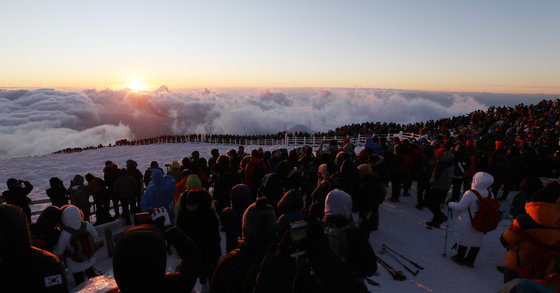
<point x="192" y="182"/>
<point x="110" y="174"/>
<point x="159" y="193"/>
<point x="175" y="171"/>
<point x="290" y="209"/>
<point x="540" y="221"/>
<point x="527" y="187"/>
<point x="232" y="216"/>
<point x="132" y="170"/>
<point x="148" y="174"/>
<point x="73" y="223"/>
<point x="147" y="273"/>
<point x="348" y="178"/>
<point x="345" y="238"/>
<point x="79" y="195"/>
<point x="318" y="270"/>
<point x="442" y="178"/>
<point x="45" y="232"/>
<point x="464" y="233"/>
<point x="322" y="173"/>
<point x="255" y="170"/>
<point x="223" y="180"/>
<point x="101" y="198"/>
<point x="57" y="193"/>
<point x="372" y="196"/>
<point x="24" y="268"/>
<point x="237" y="271"/>
<point x="17" y="195"/>
<point x="181" y="186"/>
<point x="124" y="190"/>
<point x="198" y="220"/>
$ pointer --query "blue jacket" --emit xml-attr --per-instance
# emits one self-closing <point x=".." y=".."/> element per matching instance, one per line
<point x="159" y="193"/>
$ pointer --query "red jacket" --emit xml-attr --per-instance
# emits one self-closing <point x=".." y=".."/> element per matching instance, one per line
<point x="250" y="170"/>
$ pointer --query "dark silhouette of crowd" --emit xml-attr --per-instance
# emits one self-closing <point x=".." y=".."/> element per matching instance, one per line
<point x="261" y="199"/>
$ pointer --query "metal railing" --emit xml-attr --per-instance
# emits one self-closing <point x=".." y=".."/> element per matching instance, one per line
<point x="288" y="140"/>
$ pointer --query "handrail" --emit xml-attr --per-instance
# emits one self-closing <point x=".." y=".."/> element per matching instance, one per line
<point x="313" y="140"/>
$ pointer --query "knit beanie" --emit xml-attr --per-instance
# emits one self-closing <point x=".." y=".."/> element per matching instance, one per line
<point x="140" y="259"/>
<point x="259" y="221"/>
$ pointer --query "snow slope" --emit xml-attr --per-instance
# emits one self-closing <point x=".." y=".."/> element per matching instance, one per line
<point x="401" y="224"/>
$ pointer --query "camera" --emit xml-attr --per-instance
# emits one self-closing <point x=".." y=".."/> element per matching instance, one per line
<point x="298" y="234"/>
<point x="143" y="218"/>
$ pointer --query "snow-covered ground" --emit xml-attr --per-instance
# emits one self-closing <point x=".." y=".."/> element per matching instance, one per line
<point x="401" y="224"/>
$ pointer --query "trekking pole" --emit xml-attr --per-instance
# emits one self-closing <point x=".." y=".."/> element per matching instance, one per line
<point x="404" y="257"/>
<point x="400" y="262"/>
<point x="371" y="282"/>
<point x="399" y="276"/>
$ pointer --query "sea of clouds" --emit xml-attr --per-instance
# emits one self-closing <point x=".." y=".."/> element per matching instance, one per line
<point x="40" y="121"/>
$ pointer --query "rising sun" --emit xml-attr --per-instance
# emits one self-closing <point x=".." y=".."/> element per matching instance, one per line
<point x="136" y="86"/>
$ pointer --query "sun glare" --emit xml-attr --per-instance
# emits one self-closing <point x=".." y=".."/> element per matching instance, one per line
<point x="136" y="86"/>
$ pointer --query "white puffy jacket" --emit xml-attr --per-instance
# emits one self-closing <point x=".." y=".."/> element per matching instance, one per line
<point x="464" y="232"/>
<point x="72" y="217"/>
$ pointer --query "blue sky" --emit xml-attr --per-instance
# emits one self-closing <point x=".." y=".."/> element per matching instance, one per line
<point x="486" y="46"/>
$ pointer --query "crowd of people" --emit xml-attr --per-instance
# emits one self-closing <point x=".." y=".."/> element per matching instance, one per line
<point x="260" y="199"/>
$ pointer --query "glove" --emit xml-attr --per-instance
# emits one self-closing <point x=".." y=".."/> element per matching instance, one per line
<point x="160" y="216"/>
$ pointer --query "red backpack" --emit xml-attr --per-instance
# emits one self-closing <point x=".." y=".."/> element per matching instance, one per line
<point x="82" y="244"/>
<point x="488" y="215"/>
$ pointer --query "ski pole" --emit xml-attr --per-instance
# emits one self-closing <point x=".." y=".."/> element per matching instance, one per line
<point x="399" y="276"/>
<point x="405" y="266"/>
<point x="371" y="282"/>
<point x="404" y="257"/>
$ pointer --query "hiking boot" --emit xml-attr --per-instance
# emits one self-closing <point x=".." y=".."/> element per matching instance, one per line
<point x="471" y="256"/>
<point x="442" y="218"/>
<point x="458" y="260"/>
<point x="432" y="224"/>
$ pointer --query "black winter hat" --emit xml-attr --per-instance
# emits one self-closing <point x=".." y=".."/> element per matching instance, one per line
<point x="291" y="201"/>
<point x="239" y="197"/>
<point x="259" y="221"/>
<point x="15" y="240"/>
<point x="140" y="259"/>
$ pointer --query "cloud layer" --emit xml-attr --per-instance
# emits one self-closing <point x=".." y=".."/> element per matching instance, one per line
<point x="35" y="122"/>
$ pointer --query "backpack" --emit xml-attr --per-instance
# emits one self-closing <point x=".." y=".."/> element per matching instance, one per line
<point x="488" y="215"/>
<point x="258" y="174"/>
<point x="539" y="262"/>
<point x="337" y="238"/>
<point x="82" y="245"/>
